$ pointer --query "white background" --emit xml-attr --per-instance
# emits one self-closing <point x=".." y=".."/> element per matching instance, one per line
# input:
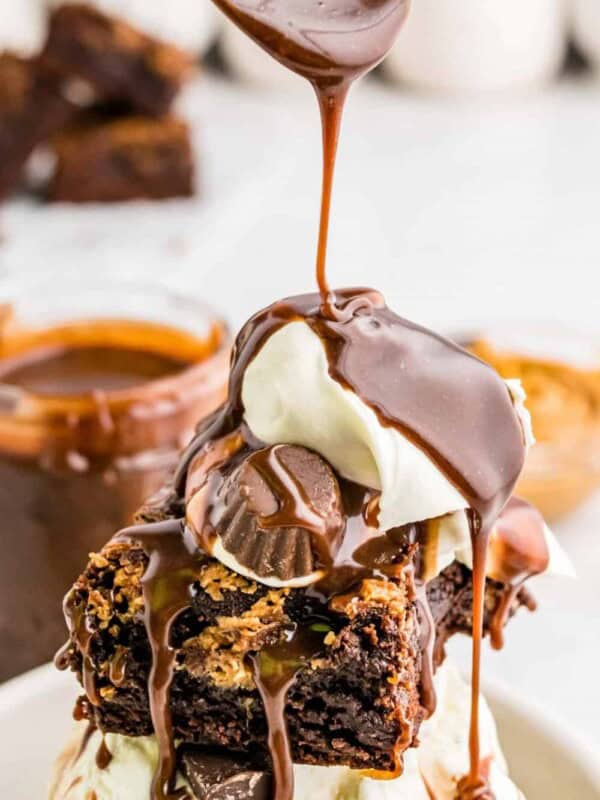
<point x="460" y="211"/>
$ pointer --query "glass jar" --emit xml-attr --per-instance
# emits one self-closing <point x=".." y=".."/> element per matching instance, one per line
<point x="560" y="372"/>
<point x="101" y="385"/>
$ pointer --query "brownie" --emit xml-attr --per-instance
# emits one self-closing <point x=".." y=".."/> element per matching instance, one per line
<point x="32" y="108"/>
<point x="352" y="704"/>
<point x="126" y="158"/>
<point x="358" y="703"/>
<point x="117" y="60"/>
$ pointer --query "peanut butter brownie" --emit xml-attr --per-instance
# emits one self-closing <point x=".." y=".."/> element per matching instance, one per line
<point x="357" y="700"/>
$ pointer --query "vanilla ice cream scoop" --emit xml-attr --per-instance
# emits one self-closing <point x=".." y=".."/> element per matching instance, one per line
<point x="434" y="769"/>
<point x="290" y="397"/>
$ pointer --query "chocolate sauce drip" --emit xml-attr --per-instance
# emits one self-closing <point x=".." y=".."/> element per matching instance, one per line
<point x="103" y="756"/>
<point x="274" y="669"/>
<point x="331" y="106"/>
<point x="427" y="642"/>
<point x="330" y="43"/>
<point x="474" y="786"/>
<point x="173" y="566"/>
<point x="82" y="636"/>
<point x="451" y="405"/>
<point x="118" y="666"/>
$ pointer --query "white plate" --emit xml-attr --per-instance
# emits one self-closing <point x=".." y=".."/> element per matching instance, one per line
<point x="547" y="760"/>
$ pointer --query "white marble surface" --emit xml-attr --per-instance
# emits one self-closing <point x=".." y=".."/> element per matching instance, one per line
<point x="459" y="211"/>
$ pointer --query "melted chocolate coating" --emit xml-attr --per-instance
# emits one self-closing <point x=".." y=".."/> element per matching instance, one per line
<point x="279" y="513"/>
<point x="453" y="406"/>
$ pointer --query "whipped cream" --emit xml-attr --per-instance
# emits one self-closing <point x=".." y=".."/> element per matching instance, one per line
<point x="289" y="397"/>
<point x="439" y="763"/>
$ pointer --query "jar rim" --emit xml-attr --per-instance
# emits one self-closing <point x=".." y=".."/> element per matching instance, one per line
<point x="35" y="413"/>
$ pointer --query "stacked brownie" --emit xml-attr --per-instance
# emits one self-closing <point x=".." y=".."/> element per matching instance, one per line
<point x="358" y="702"/>
<point x="100" y="95"/>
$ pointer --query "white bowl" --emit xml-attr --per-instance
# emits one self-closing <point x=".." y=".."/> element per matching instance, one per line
<point x="547" y="760"/>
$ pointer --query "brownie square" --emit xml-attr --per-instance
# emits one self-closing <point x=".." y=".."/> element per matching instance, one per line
<point x="130" y="158"/>
<point x="357" y="703"/>
<point x="32" y="108"/>
<point x="118" y="61"/>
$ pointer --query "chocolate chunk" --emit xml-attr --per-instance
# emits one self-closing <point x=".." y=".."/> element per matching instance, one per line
<point x="280" y="513"/>
<point x="223" y="777"/>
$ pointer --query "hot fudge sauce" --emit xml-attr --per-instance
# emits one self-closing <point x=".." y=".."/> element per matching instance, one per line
<point x="72" y="371"/>
<point x="92" y="414"/>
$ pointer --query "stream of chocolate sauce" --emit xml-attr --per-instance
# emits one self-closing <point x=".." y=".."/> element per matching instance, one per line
<point x="331" y="43"/>
<point x="173" y="566"/>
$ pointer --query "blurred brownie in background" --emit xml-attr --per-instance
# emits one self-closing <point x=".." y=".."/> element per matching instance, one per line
<point x="117" y="60"/>
<point x="128" y="158"/>
<point x="32" y="108"/>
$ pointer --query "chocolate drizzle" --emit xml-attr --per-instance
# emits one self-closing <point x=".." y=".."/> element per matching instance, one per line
<point x="427" y="641"/>
<point x="331" y="44"/>
<point x="172" y="569"/>
<point x="103" y="756"/>
<point x="451" y="404"/>
<point x="80" y="633"/>
<point x="117" y="667"/>
<point x="474" y="786"/>
<point x="274" y="669"/>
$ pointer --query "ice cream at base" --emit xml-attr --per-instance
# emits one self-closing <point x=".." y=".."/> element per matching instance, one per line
<point x="438" y="764"/>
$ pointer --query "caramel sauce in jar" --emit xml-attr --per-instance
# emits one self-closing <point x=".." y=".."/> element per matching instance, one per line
<point x="93" y="413"/>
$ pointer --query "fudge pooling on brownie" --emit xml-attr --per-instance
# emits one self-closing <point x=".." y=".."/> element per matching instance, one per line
<point x="287" y="599"/>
